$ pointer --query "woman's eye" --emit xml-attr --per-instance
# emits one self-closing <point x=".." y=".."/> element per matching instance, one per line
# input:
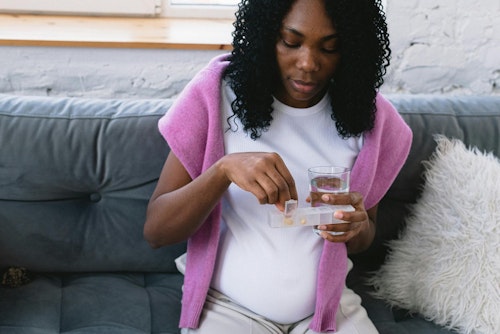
<point x="327" y="50"/>
<point x="331" y="47"/>
<point x="290" y="45"/>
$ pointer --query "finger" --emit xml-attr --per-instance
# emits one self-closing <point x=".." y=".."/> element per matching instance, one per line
<point x="284" y="183"/>
<point x="337" y="199"/>
<point x="259" y="192"/>
<point x="269" y="188"/>
<point x="289" y="180"/>
<point x="284" y="186"/>
<point x="345" y="227"/>
<point x="349" y="216"/>
<point x="340" y="237"/>
<point x="337" y="227"/>
<point x="287" y="176"/>
<point x="293" y="191"/>
<point x="352" y="198"/>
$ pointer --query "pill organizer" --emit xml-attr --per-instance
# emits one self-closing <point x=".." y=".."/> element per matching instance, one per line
<point x="310" y="216"/>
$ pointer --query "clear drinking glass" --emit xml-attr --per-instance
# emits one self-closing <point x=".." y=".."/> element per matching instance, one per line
<point x="327" y="179"/>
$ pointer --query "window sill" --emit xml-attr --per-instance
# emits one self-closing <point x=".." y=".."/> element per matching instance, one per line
<point x="114" y="32"/>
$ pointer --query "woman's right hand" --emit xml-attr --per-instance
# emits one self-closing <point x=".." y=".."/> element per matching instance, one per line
<point x="263" y="174"/>
<point x="179" y="205"/>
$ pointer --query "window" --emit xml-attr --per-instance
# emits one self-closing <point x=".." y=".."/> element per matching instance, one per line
<point x="87" y="7"/>
<point x="201" y="8"/>
<point x="170" y="8"/>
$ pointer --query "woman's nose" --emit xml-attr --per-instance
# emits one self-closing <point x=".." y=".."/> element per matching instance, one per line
<point x="307" y="61"/>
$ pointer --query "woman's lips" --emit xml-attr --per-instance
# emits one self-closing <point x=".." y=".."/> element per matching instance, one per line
<point x="303" y="86"/>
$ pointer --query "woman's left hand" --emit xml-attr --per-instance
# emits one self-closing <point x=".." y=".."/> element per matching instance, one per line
<point x="358" y="227"/>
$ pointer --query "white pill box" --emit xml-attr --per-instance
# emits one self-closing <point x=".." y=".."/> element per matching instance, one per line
<point x="310" y="216"/>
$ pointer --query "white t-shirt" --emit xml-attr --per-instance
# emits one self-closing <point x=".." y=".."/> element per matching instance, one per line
<point x="273" y="271"/>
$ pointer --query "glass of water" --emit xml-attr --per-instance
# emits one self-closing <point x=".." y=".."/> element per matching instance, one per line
<point x="327" y="179"/>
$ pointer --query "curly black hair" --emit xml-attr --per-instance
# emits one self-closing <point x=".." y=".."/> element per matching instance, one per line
<point x="365" y="53"/>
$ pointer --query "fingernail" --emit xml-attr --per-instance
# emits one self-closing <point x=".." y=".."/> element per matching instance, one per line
<point x="338" y="214"/>
<point x="325" y="197"/>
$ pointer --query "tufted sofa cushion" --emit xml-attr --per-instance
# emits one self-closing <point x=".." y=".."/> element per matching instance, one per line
<point x="75" y="179"/>
<point x="79" y="303"/>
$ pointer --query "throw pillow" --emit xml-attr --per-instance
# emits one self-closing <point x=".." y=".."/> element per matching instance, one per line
<point x="446" y="263"/>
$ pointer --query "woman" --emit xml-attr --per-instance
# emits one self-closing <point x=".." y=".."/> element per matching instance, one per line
<point x="299" y="89"/>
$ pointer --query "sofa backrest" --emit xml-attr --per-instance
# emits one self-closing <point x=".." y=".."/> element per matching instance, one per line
<point x="76" y="175"/>
<point x="475" y="120"/>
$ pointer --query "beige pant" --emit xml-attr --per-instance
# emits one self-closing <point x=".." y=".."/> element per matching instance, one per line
<point x="222" y="316"/>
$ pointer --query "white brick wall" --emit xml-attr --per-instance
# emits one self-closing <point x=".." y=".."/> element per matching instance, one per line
<point x="444" y="46"/>
<point x="89" y="72"/>
<point x="439" y="47"/>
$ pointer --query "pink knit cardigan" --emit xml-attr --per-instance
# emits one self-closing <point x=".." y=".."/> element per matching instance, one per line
<point x="193" y="129"/>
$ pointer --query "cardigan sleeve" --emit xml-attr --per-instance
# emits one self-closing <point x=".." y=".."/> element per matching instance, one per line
<point x="192" y="126"/>
<point x="384" y="153"/>
<point x="193" y="130"/>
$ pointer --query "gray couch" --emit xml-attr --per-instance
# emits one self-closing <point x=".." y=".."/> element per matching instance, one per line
<point x="75" y="178"/>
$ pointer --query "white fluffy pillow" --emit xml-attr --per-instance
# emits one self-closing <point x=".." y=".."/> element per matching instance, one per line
<point x="446" y="264"/>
